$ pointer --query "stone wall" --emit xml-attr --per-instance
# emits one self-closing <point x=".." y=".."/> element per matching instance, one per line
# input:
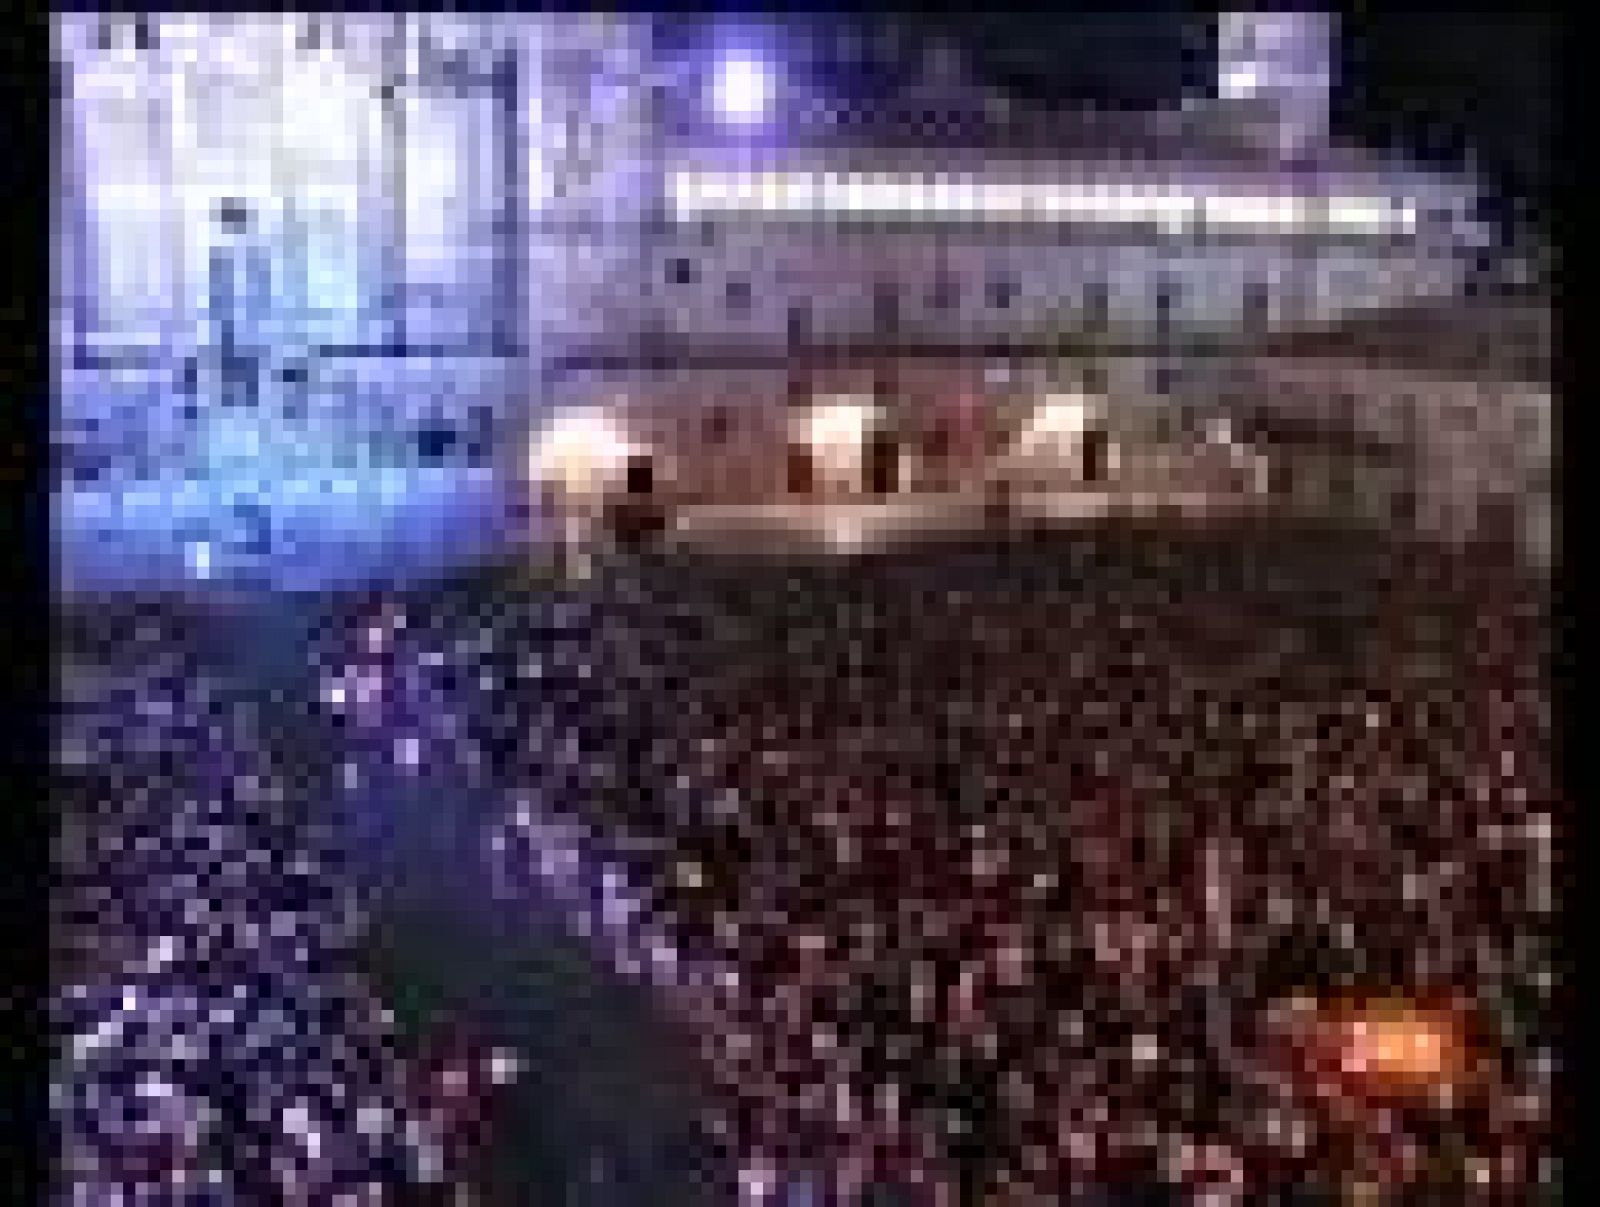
<point x="1476" y="445"/>
<point x="755" y="281"/>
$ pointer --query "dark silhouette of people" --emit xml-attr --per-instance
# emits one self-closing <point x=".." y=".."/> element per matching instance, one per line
<point x="801" y="471"/>
<point x="239" y="296"/>
<point x="1095" y="452"/>
<point x="883" y="463"/>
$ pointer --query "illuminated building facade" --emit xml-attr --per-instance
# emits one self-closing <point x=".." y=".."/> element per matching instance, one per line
<point x="417" y="204"/>
<point x="954" y="218"/>
<point x="448" y="203"/>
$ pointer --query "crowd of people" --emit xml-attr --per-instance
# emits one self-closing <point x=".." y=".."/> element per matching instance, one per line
<point x="1003" y="872"/>
<point x="215" y="1044"/>
<point x="1000" y="873"/>
<point x="1016" y="874"/>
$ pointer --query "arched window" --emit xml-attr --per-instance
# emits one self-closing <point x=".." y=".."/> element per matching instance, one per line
<point x="885" y="306"/>
<point x="1257" y="306"/>
<point x="798" y="323"/>
<point x="1097" y="305"/>
<point x="1167" y="300"/>
<point x="945" y="295"/>
<point x="1164" y="378"/>
<point x="1002" y="292"/>
<point x="718" y="424"/>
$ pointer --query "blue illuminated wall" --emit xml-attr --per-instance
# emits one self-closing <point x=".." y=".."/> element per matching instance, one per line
<point x="375" y="155"/>
<point x="422" y="191"/>
<point x="433" y="207"/>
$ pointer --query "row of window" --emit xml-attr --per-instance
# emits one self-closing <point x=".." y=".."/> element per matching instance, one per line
<point x="945" y="295"/>
<point x="139" y="33"/>
<point x="718" y="423"/>
<point x="999" y="294"/>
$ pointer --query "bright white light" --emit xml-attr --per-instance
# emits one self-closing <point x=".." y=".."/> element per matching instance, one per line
<point x="1239" y="82"/>
<point x="837" y="429"/>
<point x="743" y="89"/>
<point x="1063" y="415"/>
<point x="845" y="532"/>
<point x="321" y="111"/>
<point x="696" y="194"/>
<point x="199" y="557"/>
<point x="581" y="450"/>
<point x="1369" y="214"/>
<point x="504" y="1067"/>
<point x="1257" y="213"/>
<point x="1058" y="425"/>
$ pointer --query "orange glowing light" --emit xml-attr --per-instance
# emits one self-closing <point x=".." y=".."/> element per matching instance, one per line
<point x="1400" y="1045"/>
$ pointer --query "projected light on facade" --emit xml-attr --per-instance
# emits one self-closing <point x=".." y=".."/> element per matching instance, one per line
<point x="580" y="450"/>
<point x="694" y="194"/>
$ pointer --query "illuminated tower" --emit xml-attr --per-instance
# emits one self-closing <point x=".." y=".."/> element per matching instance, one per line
<point x="1279" y="65"/>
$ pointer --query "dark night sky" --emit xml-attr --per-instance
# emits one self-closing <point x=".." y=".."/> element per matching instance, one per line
<point x="1427" y="82"/>
<point x="1434" y="84"/>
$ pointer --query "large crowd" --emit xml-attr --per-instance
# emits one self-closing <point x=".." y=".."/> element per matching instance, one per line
<point x="215" y="1043"/>
<point x="1013" y="871"/>
<point x="994" y="874"/>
